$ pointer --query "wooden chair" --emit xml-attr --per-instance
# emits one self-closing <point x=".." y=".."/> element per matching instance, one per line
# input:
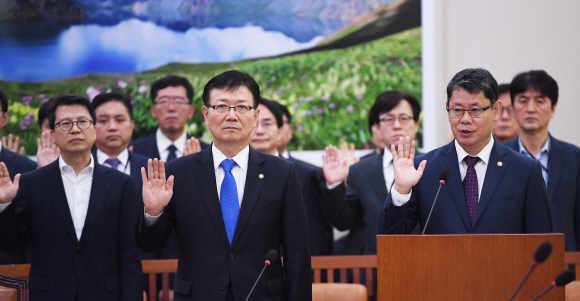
<point x="339" y="292"/>
<point x="356" y="263"/>
<point x="13" y="288"/>
<point x="573" y="288"/>
<point x="163" y="267"/>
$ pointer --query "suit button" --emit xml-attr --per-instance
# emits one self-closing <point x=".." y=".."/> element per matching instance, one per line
<point x="223" y="287"/>
<point x="74" y="279"/>
<point x="231" y="256"/>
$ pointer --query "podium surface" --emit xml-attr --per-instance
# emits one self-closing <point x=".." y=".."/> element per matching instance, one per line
<point x="466" y="267"/>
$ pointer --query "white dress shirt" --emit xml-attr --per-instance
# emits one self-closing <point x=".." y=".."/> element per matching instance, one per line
<point x="78" y="191"/>
<point x="480" y="169"/>
<point x="239" y="171"/>
<point x="163" y="143"/>
<point x="124" y="164"/>
<point x="286" y="154"/>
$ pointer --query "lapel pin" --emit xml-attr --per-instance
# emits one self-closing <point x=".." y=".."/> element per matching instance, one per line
<point x="500" y="164"/>
<point x="261" y="176"/>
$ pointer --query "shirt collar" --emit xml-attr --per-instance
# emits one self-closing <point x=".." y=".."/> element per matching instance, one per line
<point x="483" y="155"/>
<point x="387" y="157"/>
<point x="123" y="157"/>
<point x="65" y="167"/>
<point x="163" y="142"/>
<point x="545" y="148"/>
<point x="241" y="158"/>
<point x="286" y="155"/>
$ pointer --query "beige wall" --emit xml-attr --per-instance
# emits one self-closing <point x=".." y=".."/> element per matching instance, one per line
<point x="504" y="37"/>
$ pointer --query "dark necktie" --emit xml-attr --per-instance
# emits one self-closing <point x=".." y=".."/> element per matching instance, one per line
<point x="229" y="199"/>
<point x="470" y="187"/>
<point x="172" y="155"/>
<point x="113" y="162"/>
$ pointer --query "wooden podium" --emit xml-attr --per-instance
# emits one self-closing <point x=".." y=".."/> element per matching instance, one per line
<point x="466" y="267"/>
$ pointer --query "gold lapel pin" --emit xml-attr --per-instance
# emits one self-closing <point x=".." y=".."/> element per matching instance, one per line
<point x="500" y="164"/>
<point x="261" y="176"/>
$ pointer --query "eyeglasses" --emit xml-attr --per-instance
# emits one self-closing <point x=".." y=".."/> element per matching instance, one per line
<point x="403" y="119"/>
<point x="242" y="109"/>
<point x="509" y="110"/>
<point x="67" y="125"/>
<point x="473" y="112"/>
<point x="163" y="101"/>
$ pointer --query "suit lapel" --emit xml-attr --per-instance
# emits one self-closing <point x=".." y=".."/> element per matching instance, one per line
<point x="455" y="186"/>
<point x="55" y="189"/>
<point x="493" y="175"/>
<point x="99" y="195"/>
<point x="204" y="174"/>
<point x="556" y="164"/>
<point x="376" y="176"/>
<point x="251" y="191"/>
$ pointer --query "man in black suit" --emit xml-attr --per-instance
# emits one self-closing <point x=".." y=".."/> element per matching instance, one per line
<point x="266" y="137"/>
<point x="16" y="164"/>
<point x="78" y="215"/>
<point x="355" y="195"/>
<point x="534" y="96"/>
<point x="223" y="241"/>
<point x="172" y="98"/>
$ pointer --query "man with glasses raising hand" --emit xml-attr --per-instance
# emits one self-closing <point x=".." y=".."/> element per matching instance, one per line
<point x="77" y="215"/>
<point x="491" y="188"/>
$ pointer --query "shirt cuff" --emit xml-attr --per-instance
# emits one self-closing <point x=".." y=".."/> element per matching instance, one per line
<point x="151" y="220"/>
<point x="332" y="186"/>
<point x="4" y="206"/>
<point x="399" y="199"/>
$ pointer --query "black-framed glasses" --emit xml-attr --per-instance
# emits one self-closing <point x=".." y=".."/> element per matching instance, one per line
<point x="403" y="119"/>
<point x="242" y="109"/>
<point x="67" y="125"/>
<point x="163" y="101"/>
<point x="473" y="112"/>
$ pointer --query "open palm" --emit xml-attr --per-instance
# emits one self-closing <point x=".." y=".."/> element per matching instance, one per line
<point x="157" y="191"/>
<point x="8" y="188"/>
<point x="406" y="176"/>
<point x="335" y="168"/>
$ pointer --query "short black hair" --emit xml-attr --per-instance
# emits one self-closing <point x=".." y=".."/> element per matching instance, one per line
<point x="103" y="98"/>
<point x="503" y="88"/>
<point x="172" y="81"/>
<point x="388" y="100"/>
<point x="474" y="80"/>
<point x="285" y="112"/>
<point x="68" y="100"/>
<point x="275" y="109"/>
<point x="4" y="101"/>
<point x="230" y="81"/>
<point x="43" y="111"/>
<point x="537" y="80"/>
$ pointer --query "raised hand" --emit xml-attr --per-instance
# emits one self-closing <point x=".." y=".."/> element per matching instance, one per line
<point x="157" y="190"/>
<point x="8" y="188"/>
<point x="12" y="144"/>
<point x="348" y="155"/>
<point x="406" y="176"/>
<point x="192" y="146"/>
<point x="335" y="169"/>
<point x="47" y="151"/>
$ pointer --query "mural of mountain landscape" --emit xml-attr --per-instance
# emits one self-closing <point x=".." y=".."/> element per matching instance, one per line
<point x="326" y="59"/>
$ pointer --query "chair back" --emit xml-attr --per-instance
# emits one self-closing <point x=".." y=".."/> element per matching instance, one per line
<point x="339" y="292"/>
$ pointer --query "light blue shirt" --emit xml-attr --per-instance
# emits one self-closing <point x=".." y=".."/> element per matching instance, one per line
<point x="543" y="157"/>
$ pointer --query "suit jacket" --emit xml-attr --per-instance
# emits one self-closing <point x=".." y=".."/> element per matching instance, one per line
<point x="272" y="216"/>
<point x="513" y="198"/>
<point x="16" y="164"/>
<point x="147" y="146"/>
<point x="104" y="264"/>
<point x="563" y="189"/>
<point x="320" y="229"/>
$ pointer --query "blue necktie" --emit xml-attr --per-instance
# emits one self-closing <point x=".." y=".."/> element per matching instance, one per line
<point x="172" y="154"/>
<point x="114" y="163"/>
<point x="229" y="199"/>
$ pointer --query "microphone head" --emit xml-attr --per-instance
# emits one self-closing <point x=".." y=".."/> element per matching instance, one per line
<point x="565" y="277"/>
<point x="444" y="175"/>
<point x="271" y="255"/>
<point x="543" y="252"/>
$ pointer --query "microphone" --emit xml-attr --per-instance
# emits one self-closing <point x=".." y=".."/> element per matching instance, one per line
<point x="542" y="253"/>
<point x="561" y="280"/>
<point x="270" y="256"/>
<point x="443" y="177"/>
